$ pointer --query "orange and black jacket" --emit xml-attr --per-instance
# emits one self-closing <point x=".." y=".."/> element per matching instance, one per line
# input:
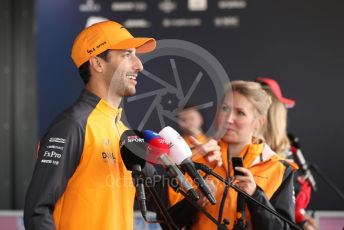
<point x="274" y="179"/>
<point x="80" y="180"/>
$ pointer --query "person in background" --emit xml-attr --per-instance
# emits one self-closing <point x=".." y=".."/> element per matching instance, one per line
<point x="275" y="134"/>
<point x="275" y="129"/>
<point x="266" y="177"/>
<point x="190" y="121"/>
<point x="80" y="180"/>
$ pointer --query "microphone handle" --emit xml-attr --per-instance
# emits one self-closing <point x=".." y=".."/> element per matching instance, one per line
<point x="174" y="172"/>
<point x="142" y="200"/>
<point x="310" y="178"/>
<point x="140" y="191"/>
<point x="191" y="170"/>
<point x="305" y="168"/>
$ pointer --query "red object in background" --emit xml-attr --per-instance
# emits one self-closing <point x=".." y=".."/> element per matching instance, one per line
<point x="302" y="199"/>
<point x="276" y="90"/>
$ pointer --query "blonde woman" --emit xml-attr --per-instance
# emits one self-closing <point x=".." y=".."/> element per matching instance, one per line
<point x="275" y="129"/>
<point x="275" y="134"/>
<point x="266" y="176"/>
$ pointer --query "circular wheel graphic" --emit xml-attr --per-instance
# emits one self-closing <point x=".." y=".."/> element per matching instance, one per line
<point x="177" y="74"/>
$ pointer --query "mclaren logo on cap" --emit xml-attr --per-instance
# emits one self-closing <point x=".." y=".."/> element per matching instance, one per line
<point x="101" y="44"/>
<point x="90" y="51"/>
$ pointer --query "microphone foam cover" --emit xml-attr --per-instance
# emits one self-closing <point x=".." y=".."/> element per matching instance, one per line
<point x="133" y="148"/>
<point x="156" y="146"/>
<point x="179" y="149"/>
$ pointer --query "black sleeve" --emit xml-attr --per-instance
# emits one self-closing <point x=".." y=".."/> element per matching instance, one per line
<point x="282" y="201"/>
<point x="57" y="158"/>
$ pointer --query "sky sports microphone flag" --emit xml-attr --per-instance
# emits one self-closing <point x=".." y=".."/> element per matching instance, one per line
<point x="133" y="153"/>
<point x="158" y="151"/>
<point x="180" y="153"/>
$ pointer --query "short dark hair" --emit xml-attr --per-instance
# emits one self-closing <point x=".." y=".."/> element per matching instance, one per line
<point x="84" y="69"/>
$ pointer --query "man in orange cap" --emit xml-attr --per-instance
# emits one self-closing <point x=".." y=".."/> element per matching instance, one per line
<point x="80" y="181"/>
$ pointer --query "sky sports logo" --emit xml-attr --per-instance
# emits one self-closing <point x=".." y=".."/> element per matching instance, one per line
<point x="135" y="139"/>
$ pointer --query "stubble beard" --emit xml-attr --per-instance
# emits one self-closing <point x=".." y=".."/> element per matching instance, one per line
<point x="121" y="86"/>
<point x="129" y="91"/>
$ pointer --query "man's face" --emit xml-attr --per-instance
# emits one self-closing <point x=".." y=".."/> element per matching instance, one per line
<point x="122" y="69"/>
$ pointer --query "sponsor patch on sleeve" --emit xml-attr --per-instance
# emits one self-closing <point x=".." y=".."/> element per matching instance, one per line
<point x="57" y="140"/>
<point x="52" y="153"/>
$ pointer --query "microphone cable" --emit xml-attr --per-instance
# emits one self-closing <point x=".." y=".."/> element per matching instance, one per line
<point x="224" y="196"/>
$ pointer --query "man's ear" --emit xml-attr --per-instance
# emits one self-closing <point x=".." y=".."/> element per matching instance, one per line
<point x="96" y="64"/>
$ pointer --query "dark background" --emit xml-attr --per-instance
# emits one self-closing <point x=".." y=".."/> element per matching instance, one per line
<point x="297" y="42"/>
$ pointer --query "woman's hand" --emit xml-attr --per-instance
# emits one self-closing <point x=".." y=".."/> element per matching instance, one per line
<point x="245" y="182"/>
<point x="310" y="223"/>
<point x="209" y="150"/>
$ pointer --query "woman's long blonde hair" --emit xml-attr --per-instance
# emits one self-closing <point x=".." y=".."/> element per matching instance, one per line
<point x="275" y="129"/>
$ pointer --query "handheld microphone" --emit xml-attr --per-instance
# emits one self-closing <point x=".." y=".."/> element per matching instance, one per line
<point x="157" y="153"/>
<point x="133" y="152"/>
<point x="301" y="161"/>
<point x="181" y="155"/>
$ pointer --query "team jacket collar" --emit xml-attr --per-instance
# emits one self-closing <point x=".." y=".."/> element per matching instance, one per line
<point x="265" y="154"/>
<point x="102" y="105"/>
<point x="88" y="97"/>
<point x="105" y="107"/>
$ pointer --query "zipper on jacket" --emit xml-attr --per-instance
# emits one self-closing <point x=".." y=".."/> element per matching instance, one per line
<point x="116" y="122"/>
